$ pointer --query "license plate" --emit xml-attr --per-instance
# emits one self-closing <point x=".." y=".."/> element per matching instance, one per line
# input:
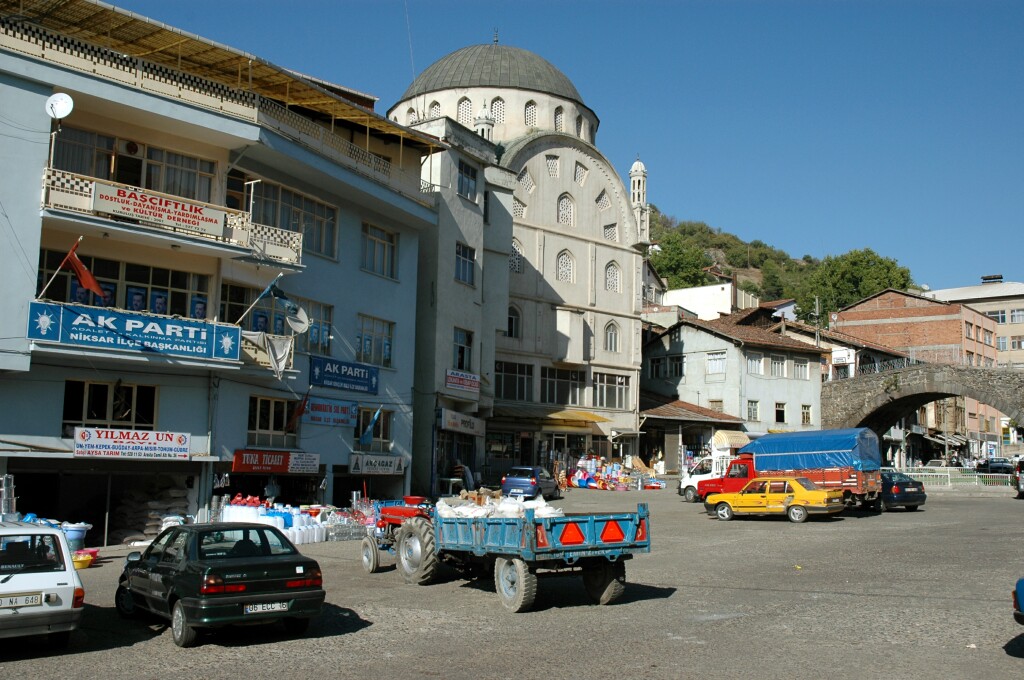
<point x="265" y="607"/>
<point x="515" y="491"/>
<point x="21" y="600"/>
<point x="911" y="488"/>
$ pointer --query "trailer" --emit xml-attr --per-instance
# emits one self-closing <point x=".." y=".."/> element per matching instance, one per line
<point x="516" y="550"/>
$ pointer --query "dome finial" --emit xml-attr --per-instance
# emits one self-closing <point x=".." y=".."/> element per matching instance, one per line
<point x="495" y="35"/>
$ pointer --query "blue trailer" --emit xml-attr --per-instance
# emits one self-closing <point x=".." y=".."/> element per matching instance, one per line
<point x="519" y="550"/>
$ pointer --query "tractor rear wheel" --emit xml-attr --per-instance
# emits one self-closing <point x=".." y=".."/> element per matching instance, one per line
<point x="515" y="583"/>
<point x="417" y="559"/>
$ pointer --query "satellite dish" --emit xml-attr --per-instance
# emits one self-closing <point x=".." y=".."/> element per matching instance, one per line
<point x="834" y="316"/>
<point x="59" y="105"/>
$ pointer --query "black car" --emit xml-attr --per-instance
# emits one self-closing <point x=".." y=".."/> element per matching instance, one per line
<point x="996" y="466"/>
<point x="211" y="575"/>
<point x="900" y="489"/>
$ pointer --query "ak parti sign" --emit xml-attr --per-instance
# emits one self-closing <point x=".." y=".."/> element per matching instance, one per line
<point x="277" y="462"/>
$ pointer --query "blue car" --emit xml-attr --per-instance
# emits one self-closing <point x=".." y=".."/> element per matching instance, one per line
<point x="529" y="482"/>
<point x="900" y="489"/>
<point x="1018" y="598"/>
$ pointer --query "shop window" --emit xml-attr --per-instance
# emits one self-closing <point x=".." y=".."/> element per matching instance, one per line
<point x="109" y="405"/>
<point x="374" y="342"/>
<point x="513" y="381"/>
<point x="271" y="422"/>
<point x="379" y="249"/>
<point x="611" y="391"/>
<point x="379" y="429"/>
<point x="560" y="386"/>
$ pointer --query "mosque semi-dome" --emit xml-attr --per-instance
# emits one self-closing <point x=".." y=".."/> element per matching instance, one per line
<point x="493" y="65"/>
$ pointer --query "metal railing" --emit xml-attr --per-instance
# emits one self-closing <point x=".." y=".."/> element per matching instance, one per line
<point x="956" y="477"/>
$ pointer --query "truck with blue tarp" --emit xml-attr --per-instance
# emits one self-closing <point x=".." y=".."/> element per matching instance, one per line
<point x="517" y="550"/>
<point x="847" y="459"/>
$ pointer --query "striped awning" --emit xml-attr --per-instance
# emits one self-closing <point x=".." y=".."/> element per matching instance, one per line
<point x="729" y="439"/>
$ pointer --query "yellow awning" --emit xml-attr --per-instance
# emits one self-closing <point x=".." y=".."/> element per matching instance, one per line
<point x="585" y="416"/>
<point x="729" y="439"/>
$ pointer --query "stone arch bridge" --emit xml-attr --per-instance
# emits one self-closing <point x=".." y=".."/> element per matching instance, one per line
<point x="879" y="400"/>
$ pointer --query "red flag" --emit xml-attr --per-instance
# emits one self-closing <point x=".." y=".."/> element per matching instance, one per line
<point x="85" y="278"/>
<point x="297" y="413"/>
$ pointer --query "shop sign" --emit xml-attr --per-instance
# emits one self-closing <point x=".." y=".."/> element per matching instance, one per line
<point x="127" y="331"/>
<point x="461" y="380"/>
<point x="99" y="442"/>
<point x="842" y="355"/>
<point x="331" y="412"/>
<point x="459" y="422"/>
<point x="280" y="462"/>
<point x="342" y="375"/>
<point x="366" y="464"/>
<point x="163" y="210"/>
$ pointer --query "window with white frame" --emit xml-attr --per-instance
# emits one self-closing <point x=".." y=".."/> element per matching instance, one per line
<point x="513" y="381"/>
<point x="611" y="391"/>
<point x="1017" y="342"/>
<point x="998" y="315"/>
<point x="179" y="174"/>
<point x="1001" y="343"/>
<point x="780" y="412"/>
<point x="462" y="350"/>
<point x="805" y="414"/>
<point x="465" y="263"/>
<point x="269" y="420"/>
<point x="565" y="269"/>
<point x="715" y="363"/>
<point x="611" y="337"/>
<point x="278" y="206"/>
<point x="464" y="112"/>
<point x="110" y="405"/>
<point x="380" y="434"/>
<point x="515" y="321"/>
<point x="612" y="278"/>
<point x="561" y="386"/>
<point x="379" y="250"/>
<point x="801" y="369"/>
<point x="498" y="110"/>
<point x="530" y="114"/>
<point x="467" y="181"/>
<point x="515" y="258"/>
<point x="559" y="119"/>
<point x="566" y="210"/>
<point x="374" y="341"/>
<point x="753" y="410"/>
<point x="1017" y="316"/>
<point x="778" y="366"/>
<point x="755" y="363"/>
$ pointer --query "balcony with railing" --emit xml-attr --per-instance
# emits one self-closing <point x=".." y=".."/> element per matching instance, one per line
<point x="168" y="213"/>
<point x="37" y="42"/>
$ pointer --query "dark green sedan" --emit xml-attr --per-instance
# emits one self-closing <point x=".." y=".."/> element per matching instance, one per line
<point x="205" y="576"/>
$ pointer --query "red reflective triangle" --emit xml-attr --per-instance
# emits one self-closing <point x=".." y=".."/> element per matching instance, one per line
<point x="612" y="533"/>
<point x="571" y="535"/>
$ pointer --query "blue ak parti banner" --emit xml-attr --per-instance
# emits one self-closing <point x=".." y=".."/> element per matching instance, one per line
<point x="342" y="375"/>
<point x="102" y="327"/>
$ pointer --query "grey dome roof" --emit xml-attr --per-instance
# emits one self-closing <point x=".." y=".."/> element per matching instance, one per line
<point x="493" y="65"/>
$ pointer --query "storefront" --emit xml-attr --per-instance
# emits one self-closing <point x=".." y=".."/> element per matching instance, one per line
<point x="289" y="477"/>
<point x="458" y="440"/>
<point x="533" y="435"/>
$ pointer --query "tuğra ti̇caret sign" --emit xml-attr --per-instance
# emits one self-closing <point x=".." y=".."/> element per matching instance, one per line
<point x="278" y="462"/>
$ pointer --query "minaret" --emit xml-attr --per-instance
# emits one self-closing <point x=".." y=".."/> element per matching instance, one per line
<point x="638" y="197"/>
<point x="484" y="123"/>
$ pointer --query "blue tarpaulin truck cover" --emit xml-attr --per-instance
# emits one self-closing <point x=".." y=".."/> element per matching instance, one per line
<point x="855" y="447"/>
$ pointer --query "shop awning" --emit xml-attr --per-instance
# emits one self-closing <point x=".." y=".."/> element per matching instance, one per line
<point x="729" y="439"/>
<point x="543" y="415"/>
<point x="584" y="416"/>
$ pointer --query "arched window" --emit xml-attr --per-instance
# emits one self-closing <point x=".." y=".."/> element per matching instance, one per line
<point x="612" y="278"/>
<point x="530" y="114"/>
<point x="579" y="126"/>
<point x="514" y="323"/>
<point x="498" y="110"/>
<point x="410" y="116"/>
<point x="566" y="210"/>
<point x="435" y="109"/>
<point x="611" y="337"/>
<point x="559" y="120"/>
<point x="465" y="114"/>
<point x="515" y="258"/>
<point x="566" y="269"/>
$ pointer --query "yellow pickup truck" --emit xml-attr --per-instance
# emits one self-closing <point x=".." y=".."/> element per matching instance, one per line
<point x="795" y="497"/>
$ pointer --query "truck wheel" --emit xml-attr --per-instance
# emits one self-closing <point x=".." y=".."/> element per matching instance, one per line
<point x="515" y="584"/>
<point x="606" y="582"/>
<point x="370" y="555"/>
<point x="881" y="506"/>
<point x="690" y="494"/>
<point x="797" y="513"/>
<point x="724" y="512"/>
<point x="417" y="559"/>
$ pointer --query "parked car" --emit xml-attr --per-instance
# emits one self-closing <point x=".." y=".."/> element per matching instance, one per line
<point x="1018" y="600"/>
<point x="996" y="465"/>
<point x="1018" y="478"/>
<point x="795" y="497"/>
<point x="901" y="489"/>
<point x="205" y="576"/>
<point x="529" y="482"/>
<point x="937" y="462"/>
<point x="40" y="591"/>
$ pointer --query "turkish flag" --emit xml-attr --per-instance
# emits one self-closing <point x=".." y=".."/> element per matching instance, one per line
<point x="85" y="277"/>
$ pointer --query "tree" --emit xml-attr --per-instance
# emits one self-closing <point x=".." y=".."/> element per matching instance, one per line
<point x="680" y="263"/>
<point x="841" y="280"/>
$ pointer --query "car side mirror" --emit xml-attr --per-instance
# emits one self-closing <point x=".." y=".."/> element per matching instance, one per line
<point x="133" y="557"/>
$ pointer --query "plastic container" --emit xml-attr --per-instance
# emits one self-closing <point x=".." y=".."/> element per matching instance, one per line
<point x="81" y="561"/>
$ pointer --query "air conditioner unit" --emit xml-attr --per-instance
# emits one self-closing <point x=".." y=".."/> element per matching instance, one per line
<point x="126" y="147"/>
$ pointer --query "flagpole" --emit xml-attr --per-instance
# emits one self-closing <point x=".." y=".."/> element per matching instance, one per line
<point x="62" y="263"/>
<point x="256" y="301"/>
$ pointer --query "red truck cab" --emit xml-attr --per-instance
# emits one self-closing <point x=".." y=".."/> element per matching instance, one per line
<point x="740" y="471"/>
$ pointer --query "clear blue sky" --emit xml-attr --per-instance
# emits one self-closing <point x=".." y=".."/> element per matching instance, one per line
<point x="817" y="127"/>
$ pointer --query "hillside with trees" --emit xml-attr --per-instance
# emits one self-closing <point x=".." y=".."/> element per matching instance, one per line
<point x="685" y="249"/>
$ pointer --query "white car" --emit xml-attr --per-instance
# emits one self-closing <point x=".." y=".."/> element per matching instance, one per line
<point x="40" y="591"/>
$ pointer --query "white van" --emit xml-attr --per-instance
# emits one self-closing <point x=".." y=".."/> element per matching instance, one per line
<point x="40" y="591"/>
<point x="708" y="467"/>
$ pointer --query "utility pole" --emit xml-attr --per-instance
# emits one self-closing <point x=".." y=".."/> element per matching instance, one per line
<point x="817" y="323"/>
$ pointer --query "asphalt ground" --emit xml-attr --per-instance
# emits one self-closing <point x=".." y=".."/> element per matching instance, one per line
<point x="900" y="595"/>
